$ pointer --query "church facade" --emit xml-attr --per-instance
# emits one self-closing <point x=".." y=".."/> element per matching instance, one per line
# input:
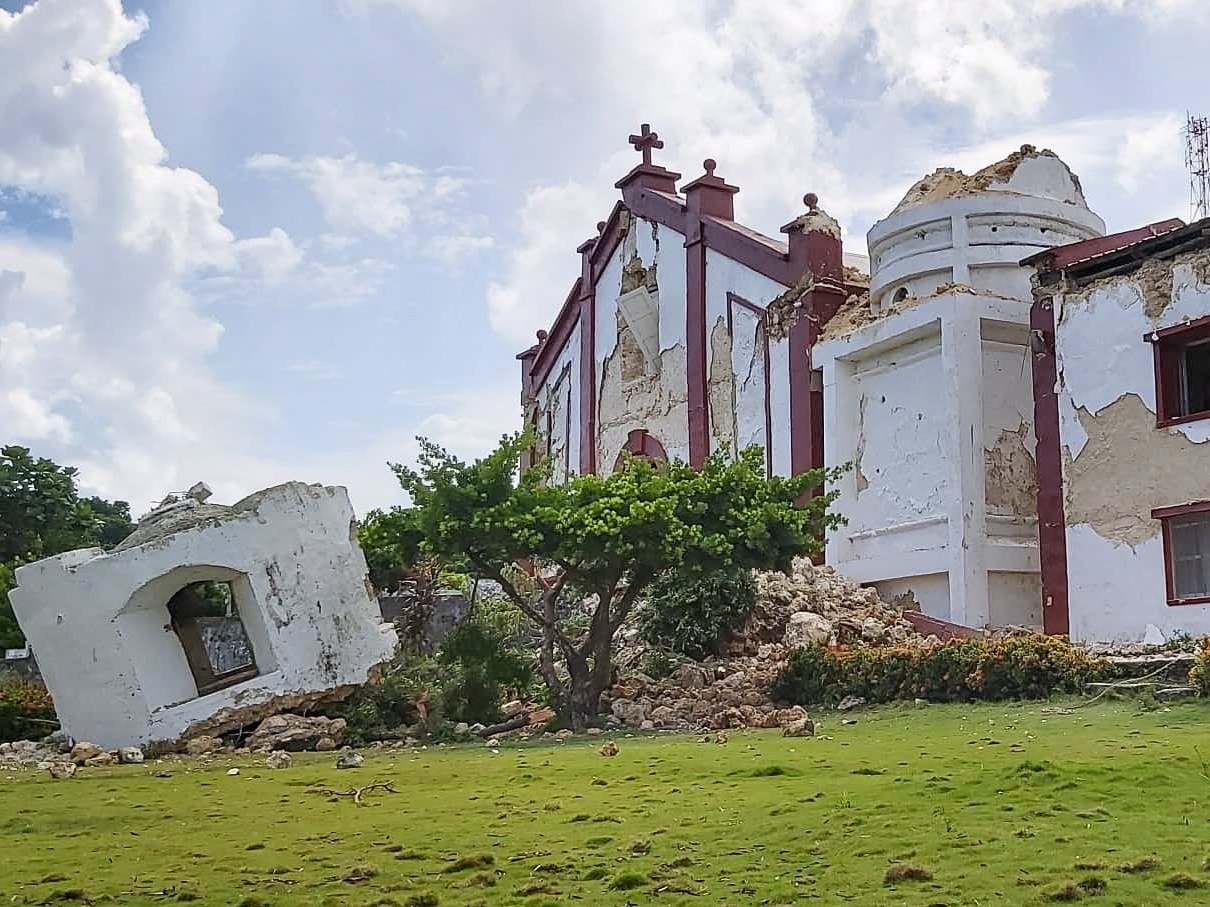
<point x="689" y="333"/>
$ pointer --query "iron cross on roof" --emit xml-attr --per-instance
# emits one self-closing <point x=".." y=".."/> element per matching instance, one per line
<point x="645" y="141"/>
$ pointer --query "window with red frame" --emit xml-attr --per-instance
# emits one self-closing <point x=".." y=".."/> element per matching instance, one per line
<point x="1186" y="532"/>
<point x="1182" y="371"/>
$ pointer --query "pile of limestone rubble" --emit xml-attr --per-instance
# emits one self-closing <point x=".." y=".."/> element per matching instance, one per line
<point x="275" y="734"/>
<point x="810" y="605"/>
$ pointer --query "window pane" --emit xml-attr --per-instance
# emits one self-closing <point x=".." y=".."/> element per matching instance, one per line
<point x="1197" y="378"/>
<point x="1190" y="537"/>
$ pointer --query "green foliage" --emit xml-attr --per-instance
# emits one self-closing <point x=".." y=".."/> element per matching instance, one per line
<point x="464" y="681"/>
<point x="693" y="612"/>
<point x="391" y="541"/>
<point x="633" y="524"/>
<point x="41" y="514"/>
<point x="407" y="694"/>
<point x="608" y="537"/>
<point x="1199" y="674"/>
<point x="482" y="663"/>
<point x="26" y="711"/>
<point x="1023" y="667"/>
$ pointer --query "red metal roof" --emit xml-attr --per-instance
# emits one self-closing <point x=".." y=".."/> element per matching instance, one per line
<point x="1060" y="257"/>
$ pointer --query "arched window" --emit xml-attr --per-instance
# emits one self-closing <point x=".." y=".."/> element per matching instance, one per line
<point x="641" y="444"/>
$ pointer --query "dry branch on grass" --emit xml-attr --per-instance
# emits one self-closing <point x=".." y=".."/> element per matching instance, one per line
<point x="357" y="793"/>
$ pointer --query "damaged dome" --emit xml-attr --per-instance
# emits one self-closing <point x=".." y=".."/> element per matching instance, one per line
<point x="1040" y="174"/>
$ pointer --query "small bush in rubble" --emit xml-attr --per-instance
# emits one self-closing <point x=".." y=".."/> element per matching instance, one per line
<point x="1199" y="674"/>
<point x="482" y="661"/>
<point x="26" y="710"/>
<point x="409" y="693"/>
<point x="1024" y="667"/>
<point x="693" y="612"/>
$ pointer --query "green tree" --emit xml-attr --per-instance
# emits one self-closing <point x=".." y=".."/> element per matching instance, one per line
<point x="606" y="539"/>
<point x="42" y="514"/>
<point x="391" y="541"/>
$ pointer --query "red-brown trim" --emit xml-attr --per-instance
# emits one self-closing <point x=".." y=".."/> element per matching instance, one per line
<point x="588" y="361"/>
<point x="642" y="443"/>
<point x="1176" y="330"/>
<point x="944" y="630"/>
<point x="1052" y="521"/>
<point x="552" y="346"/>
<point x="1167" y="375"/>
<point x="734" y="300"/>
<point x="1164" y="514"/>
<point x="764" y="255"/>
<point x="820" y="254"/>
<point x="1060" y="257"/>
<point x="695" y="339"/>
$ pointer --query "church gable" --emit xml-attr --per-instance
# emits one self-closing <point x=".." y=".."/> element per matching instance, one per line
<point x="664" y="285"/>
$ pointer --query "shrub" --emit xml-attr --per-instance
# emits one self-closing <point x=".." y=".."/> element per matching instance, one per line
<point x="409" y="692"/>
<point x="481" y="660"/>
<point x="1022" y="667"/>
<point x="26" y="711"/>
<point x="693" y="612"/>
<point x="1199" y="674"/>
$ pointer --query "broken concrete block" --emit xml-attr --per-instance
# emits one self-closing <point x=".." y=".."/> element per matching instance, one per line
<point x="296" y="733"/>
<point x="130" y="755"/>
<point x="279" y="759"/>
<point x="207" y="618"/>
<point x="203" y="745"/>
<point x="349" y="759"/>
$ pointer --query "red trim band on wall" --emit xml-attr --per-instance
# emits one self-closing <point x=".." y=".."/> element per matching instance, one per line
<point x="1052" y="522"/>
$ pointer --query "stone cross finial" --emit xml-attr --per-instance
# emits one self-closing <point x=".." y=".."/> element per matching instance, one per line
<point x="645" y="141"/>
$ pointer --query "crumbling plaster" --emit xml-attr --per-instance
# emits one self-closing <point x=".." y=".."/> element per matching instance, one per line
<point x="1117" y="464"/>
<point x="1099" y="343"/>
<point x="118" y="675"/>
<point x="748" y="367"/>
<point x="721" y="389"/>
<point x="632" y="393"/>
<point x="745" y="358"/>
<point x="559" y="398"/>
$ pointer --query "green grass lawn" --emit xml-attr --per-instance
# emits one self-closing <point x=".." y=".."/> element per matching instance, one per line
<point x="1002" y="804"/>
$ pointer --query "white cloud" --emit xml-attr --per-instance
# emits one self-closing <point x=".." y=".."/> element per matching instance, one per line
<point x="101" y="328"/>
<point x="29" y="419"/>
<point x="851" y="99"/>
<point x="355" y="195"/>
<point x="453" y="250"/>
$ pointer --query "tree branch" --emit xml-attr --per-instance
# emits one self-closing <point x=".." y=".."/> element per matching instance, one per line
<point x="629" y="597"/>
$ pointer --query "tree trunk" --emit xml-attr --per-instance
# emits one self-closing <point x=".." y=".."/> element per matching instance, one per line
<point x="588" y="682"/>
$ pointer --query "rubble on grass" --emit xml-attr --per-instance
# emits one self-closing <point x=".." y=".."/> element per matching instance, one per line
<point x="811" y="604"/>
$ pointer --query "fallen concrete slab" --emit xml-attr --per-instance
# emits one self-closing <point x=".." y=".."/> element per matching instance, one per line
<point x="207" y="618"/>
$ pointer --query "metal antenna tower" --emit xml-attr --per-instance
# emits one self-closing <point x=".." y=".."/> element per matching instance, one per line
<point x="1197" y="162"/>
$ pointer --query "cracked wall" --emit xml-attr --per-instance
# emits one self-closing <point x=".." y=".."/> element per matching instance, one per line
<point x="1011" y="475"/>
<point x="1127" y="468"/>
<point x="720" y="389"/>
<point x="635" y="393"/>
<point x="1117" y="464"/>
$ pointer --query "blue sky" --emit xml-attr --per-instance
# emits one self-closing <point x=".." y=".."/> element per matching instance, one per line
<point x="250" y="242"/>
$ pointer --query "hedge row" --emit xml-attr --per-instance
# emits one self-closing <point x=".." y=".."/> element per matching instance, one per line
<point x="1024" y="667"/>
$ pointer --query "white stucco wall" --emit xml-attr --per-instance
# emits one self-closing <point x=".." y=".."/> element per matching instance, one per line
<point x="746" y="360"/>
<point x="919" y="403"/>
<point x="1118" y="466"/>
<point x="559" y="395"/>
<point x="99" y="622"/>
